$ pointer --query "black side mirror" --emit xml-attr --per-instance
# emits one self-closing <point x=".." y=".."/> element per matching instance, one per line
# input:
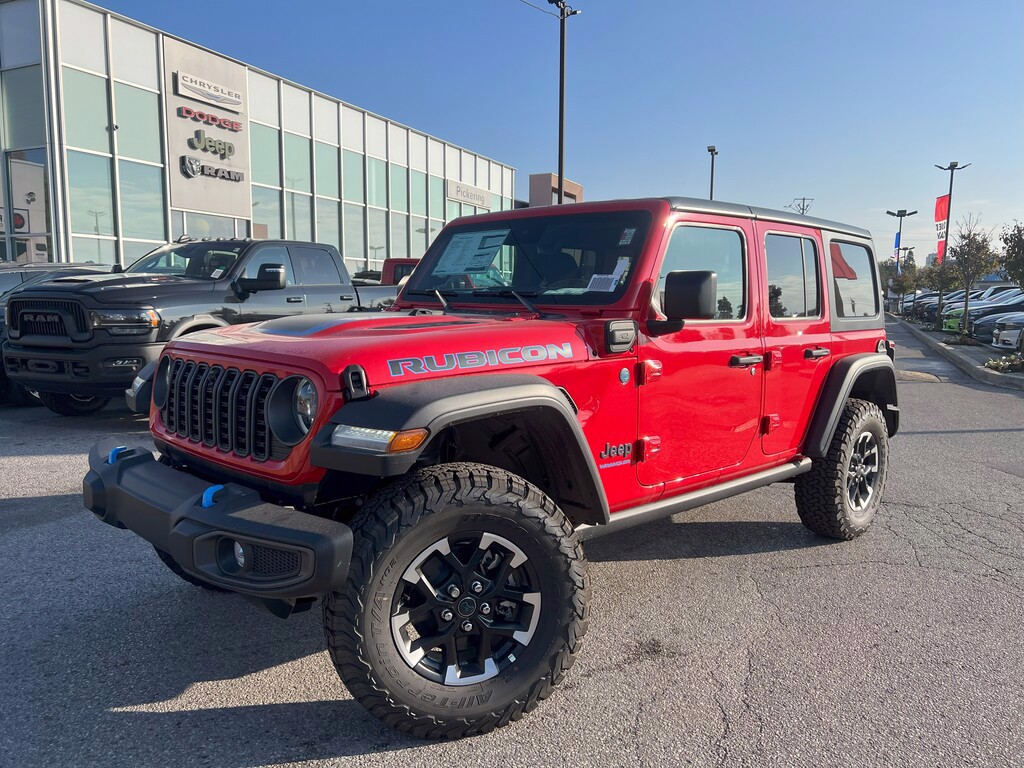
<point x="269" y="278"/>
<point x="689" y="295"/>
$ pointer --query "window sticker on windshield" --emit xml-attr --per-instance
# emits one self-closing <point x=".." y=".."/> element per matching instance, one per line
<point x="608" y="283"/>
<point x="216" y="273"/>
<point x="470" y="252"/>
<point x="627" y="236"/>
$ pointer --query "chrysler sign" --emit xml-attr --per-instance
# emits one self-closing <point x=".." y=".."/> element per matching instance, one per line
<point x="202" y="89"/>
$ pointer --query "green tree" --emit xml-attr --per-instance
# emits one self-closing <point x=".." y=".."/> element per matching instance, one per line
<point x="775" y="307"/>
<point x="1012" y="260"/>
<point x="972" y="257"/>
<point x="724" y="308"/>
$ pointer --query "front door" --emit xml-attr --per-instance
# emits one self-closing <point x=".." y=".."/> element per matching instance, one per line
<point x="798" y="341"/>
<point x="700" y="403"/>
<point x="266" y="305"/>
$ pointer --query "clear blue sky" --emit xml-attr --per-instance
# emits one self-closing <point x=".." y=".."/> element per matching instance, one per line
<point x="849" y="103"/>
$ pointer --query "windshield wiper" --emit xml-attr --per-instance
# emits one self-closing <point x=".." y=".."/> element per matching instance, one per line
<point x="518" y="295"/>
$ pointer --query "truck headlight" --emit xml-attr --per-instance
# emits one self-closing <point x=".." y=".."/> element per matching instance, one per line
<point x="125" y="322"/>
<point x="306" y="404"/>
<point x="377" y="440"/>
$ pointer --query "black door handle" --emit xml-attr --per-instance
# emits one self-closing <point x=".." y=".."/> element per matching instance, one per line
<point x="813" y="354"/>
<point x="294" y="299"/>
<point x="742" y="361"/>
<point x="346" y="297"/>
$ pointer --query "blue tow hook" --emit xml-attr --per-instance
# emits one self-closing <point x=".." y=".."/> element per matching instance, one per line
<point x="208" y="495"/>
<point x="115" y="452"/>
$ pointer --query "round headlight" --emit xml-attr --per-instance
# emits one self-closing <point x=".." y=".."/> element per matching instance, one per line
<point x="306" y="404"/>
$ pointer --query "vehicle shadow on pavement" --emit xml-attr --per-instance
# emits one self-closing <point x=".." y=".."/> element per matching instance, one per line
<point x="670" y="540"/>
<point x="127" y="673"/>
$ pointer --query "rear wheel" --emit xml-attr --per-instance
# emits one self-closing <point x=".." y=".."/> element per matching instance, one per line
<point x="466" y="604"/>
<point x="73" y="405"/>
<point x="841" y="494"/>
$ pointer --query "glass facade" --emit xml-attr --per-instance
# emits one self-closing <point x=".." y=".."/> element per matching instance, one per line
<point x="94" y="171"/>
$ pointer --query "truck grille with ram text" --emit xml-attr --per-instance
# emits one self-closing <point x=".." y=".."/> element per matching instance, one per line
<point x="47" y="317"/>
<point x="221" y="407"/>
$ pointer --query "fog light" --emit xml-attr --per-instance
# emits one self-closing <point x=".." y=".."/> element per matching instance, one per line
<point x="239" y="555"/>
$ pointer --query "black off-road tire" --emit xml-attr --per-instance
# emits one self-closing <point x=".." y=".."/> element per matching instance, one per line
<point x="167" y="560"/>
<point x="397" y="525"/>
<point x="73" y="405"/>
<point x="823" y="496"/>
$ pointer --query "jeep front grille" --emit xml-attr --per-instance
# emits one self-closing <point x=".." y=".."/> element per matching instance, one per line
<point x="221" y="408"/>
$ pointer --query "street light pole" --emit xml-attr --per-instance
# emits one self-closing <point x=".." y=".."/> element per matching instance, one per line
<point x="953" y="167"/>
<point x="900" y="214"/>
<point x="714" y="153"/>
<point x="564" y="12"/>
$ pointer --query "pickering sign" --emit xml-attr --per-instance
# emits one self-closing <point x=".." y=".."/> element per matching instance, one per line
<point x="199" y="88"/>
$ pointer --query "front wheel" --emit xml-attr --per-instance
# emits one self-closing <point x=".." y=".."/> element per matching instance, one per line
<point x="466" y="603"/>
<point x="841" y="494"/>
<point x="73" y="405"/>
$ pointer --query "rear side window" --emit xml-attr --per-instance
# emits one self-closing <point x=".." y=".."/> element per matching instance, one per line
<point x="316" y="266"/>
<point x="854" y="292"/>
<point x="706" y="248"/>
<point x="271" y="254"/>
<point x="793" y="279"/>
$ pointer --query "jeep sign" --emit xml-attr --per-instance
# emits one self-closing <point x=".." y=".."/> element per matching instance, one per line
<point x="212" y="144"/>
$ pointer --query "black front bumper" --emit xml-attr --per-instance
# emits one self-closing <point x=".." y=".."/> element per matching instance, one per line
<point x="288" y="555"/>
<point x="103" y="370"/>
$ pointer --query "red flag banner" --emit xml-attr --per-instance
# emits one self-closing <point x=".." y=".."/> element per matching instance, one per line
<point x="941" y="213"/>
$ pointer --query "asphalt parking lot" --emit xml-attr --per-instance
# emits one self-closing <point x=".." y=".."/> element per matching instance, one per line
<point x="725" y="636"/>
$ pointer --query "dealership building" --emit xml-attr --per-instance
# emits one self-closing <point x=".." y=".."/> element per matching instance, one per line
<point x="117" y="137"/>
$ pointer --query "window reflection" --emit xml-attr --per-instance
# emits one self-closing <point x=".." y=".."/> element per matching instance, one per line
<point x="142" y="201"/>
<point x="89" y="193"/>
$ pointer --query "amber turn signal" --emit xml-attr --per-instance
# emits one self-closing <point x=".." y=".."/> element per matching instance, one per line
<point x="408" y="440"/>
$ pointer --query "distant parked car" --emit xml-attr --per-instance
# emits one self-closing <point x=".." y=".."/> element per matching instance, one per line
<point x="983" y="310"/>
<point x="1008" y="334"/>
<point x="985" y="327"/>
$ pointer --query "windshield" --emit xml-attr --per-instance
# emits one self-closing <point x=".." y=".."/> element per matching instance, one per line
<point x="208" y="260"/>
<point x="576" y="258"/>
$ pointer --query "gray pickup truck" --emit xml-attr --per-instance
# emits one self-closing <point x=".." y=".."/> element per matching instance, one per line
<point x="80" y="340"/>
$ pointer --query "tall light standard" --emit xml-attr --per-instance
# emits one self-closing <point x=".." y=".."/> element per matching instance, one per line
<point x="953" y="167"/>
<point x="901" y="214"/>
<point x="564" y="12"/>
<point x="714" y="153"/>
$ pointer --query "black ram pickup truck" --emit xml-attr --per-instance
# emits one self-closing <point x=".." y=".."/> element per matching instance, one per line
<point x="80" y="340"/>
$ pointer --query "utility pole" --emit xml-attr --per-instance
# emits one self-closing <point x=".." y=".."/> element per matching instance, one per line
<point x="953" y="167"/>
<point x="801" y="205"/>
<point x="564" y="12"/>
<point x="714" y="153"/>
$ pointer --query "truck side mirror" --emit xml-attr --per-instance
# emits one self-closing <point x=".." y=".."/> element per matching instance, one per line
<point x="270" y="277"/>
<point x="689" y="295"/>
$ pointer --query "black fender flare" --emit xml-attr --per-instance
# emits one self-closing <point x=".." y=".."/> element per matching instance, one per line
<point x="438" y="404"/>
<point x="871" y="376"/>
<point x="196" y="323"/>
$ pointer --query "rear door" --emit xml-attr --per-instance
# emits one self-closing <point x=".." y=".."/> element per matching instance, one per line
<point x="325" y="288"/>
<point x="700" y="400"/>
<point x="798" y="342"/>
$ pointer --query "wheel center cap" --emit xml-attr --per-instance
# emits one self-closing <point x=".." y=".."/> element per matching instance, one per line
<point x="466" y="607"/>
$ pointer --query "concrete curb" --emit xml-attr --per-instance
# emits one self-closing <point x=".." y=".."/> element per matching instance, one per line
<point x="964" y="363"/>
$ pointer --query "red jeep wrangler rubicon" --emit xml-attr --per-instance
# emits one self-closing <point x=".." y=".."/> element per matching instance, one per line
<point x="546" y="375"/>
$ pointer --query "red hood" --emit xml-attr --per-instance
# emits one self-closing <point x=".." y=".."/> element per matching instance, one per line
<point x="393" y="347"/>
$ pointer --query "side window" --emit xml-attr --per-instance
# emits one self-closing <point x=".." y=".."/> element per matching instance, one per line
<point x="854" y="292"/>
<point x="271" y="254"/>
<point x="315" y="266"/>
<point x="719" y="250"/>
<point x="793" y="279"/>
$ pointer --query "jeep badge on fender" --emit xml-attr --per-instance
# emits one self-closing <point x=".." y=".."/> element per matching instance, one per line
<point x="431" y="473"/>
